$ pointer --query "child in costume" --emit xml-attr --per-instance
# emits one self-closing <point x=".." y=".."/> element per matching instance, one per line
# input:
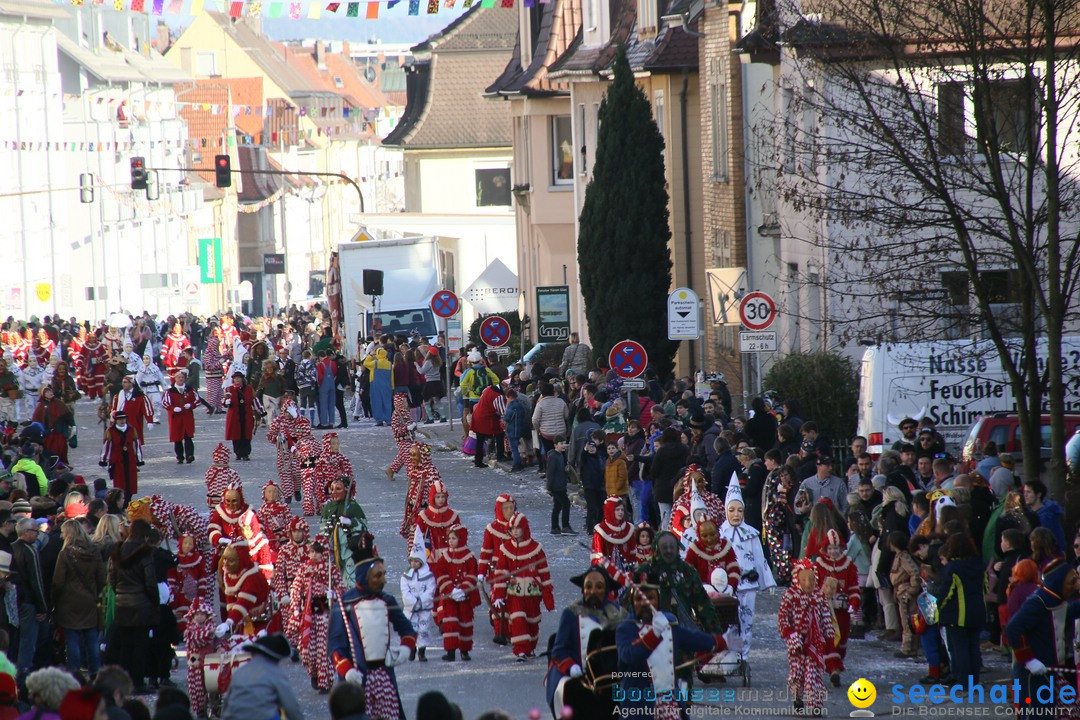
<point x="805" y="624"/>
<point x="845" y="594"/>
<point x="274" y="515"/>
<point x="710" y="551"/>
<point x="188" y="580"/>
<point x="309" y="613"/>
<point x="418" y="596"/>
<point x="285" y="432"/>
<point x="495" y="534"/>
<point x="641" y="548"/>
<point x="522" y="580"/>
<point x="199" y="641"/>
<point x="435" y="521"/>
<point x="754" y="572"/>
<point x="292" y="555"/>
<point x="612" y="538"/>
<point x="310" y="485"/>
<point x="421" y="473"/>
<point x="459" y="593"/>
<point x="219" y="476"/>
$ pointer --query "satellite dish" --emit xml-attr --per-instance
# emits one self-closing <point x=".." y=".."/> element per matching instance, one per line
<point x="369" y="74"/>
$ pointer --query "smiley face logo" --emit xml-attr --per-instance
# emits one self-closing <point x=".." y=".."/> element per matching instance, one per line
<point x="862" y="693"/>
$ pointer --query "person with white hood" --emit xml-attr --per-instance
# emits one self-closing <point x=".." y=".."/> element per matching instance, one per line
<point x="418" y="596"/>
<point x="755" y="573"/>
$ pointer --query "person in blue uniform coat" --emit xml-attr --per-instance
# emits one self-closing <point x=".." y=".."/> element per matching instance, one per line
<point x="648" y="647"/>
<point x="368" y="658"/>
<point x="587" y="625"/>
<point x="1040" y="635"/>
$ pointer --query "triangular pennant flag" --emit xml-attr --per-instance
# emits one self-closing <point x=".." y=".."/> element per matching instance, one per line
<point x="235" y="10"/>
<point x="353" y="10"/>
<point x="414" y="7"/>
<point x="433" y="7"/>
<point x="333" y="7"/>
<point x="391" y="4"/>
<point x="276" y="8"/>
<point x="373" y="11"/>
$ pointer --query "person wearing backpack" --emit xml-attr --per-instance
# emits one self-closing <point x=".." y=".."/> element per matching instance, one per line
<point x="307" y="380"/>
<point x="473" y="382"/>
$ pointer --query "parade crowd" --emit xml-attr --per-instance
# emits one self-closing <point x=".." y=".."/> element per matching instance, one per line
<point x="690" y="511"/>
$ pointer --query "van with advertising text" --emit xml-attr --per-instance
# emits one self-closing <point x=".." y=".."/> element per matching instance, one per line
<point x="953" y="383"/>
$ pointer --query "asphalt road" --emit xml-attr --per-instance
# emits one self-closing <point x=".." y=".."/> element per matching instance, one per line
<point x="493" y="679"/>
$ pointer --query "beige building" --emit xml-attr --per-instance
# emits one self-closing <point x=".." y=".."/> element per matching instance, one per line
<point x="665" y="62"/>
<point x="544" y="158"/>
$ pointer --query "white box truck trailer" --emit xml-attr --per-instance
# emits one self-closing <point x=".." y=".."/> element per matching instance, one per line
<point x="953" y="383"/>
<point x="413" y="269"/>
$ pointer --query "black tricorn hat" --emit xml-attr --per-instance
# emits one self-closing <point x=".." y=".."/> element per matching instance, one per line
<point x="579" y="580"/>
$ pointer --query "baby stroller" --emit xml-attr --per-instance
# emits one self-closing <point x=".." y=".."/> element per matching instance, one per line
<point x="729" y="663"/>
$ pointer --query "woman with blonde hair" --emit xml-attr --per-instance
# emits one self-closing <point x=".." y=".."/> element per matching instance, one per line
<point x="78" y="580"/>
<point x="106" y="534"/>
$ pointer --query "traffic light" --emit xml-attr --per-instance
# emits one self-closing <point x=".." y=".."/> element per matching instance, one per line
<point x="222" y="171"/>
<point x="138" y="173"/>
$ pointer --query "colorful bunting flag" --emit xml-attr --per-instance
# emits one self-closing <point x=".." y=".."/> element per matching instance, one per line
<point x="255" y="8"/>
<point x="449" y="3"/>
<point x="138" y="5"/>
<point x="391" y="4"/>
<point x="295" y="10"/>
<point x="276" y="8"/>
<point x="235" y="10"/>
<point x="433" y="7"/>
<point x="414" y="7"/>
<point x="333" y="7"/>
<point x="314" y="10"/>
<point x="373" y="11"/>
<point x="196" y="7"/>
<point x="159" y="7"/>
<point x="353" y="10"/>
<point x="175" y="6"/>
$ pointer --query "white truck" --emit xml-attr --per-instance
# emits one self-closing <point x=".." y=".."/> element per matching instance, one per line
<point x="413" y="269"/>
<point x="953" y="383"/>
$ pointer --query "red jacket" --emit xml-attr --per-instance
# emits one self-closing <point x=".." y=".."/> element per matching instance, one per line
<point x="182" y="423"/>
<point x="240" y="416"/>
<point x="486" y="420"/>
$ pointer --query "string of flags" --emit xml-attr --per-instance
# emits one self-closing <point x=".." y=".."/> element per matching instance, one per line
<point x="293" y="9"/>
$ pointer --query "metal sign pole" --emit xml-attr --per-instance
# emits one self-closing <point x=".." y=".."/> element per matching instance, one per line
<point x="446" y="366"/>
<point x="701" y="324"/>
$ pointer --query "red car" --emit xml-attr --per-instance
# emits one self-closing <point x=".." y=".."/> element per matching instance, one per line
<point x="1004" y="430"/>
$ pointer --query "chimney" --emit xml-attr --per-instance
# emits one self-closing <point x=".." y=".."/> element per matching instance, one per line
<point x="162" y="40"/>
<point x="320" y="54"/>
<point x="345" y="50"/>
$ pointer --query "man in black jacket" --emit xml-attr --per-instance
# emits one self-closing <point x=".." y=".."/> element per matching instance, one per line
<point x="32" y="604"/>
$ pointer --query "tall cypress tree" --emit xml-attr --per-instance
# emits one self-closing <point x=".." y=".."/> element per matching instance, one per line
<point x="623" y="254"/>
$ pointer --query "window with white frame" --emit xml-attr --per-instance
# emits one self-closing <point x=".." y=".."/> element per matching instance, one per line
<point x="718" y="124"/>
<point x="562" y="151"/>
<point x="206" y="63"/>
<point x="658" y="112"/>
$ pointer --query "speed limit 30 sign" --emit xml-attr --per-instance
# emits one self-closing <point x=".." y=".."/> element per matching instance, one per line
<point x="757" y="311"/>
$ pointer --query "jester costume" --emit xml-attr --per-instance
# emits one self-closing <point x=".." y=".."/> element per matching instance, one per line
<point x="399" y="425"/>
<point x="92" y="366"/>
<point x="291" y="558"/>
<point x="214" y="370"/>
<point x="249" y="605"/>
<point x="777" y="530"/>
<point x="848" y="596"/>
<point x="495" y="534"/>
<point x="522" y="581"/>
<point x="286" y="432"/>
<point x="173" y="521"/>
<point x="680" y="511"/>
<point x="754" y="572"/>
<point x="456" y="568"/>
<point x="330" y="465"/>
<point x="309" y="613"/>
<point x="306" y="462"/>
<point x="189" y="580"/>
<point x="805" y="624"/>
<point x="172" y="349"/>
<point x="234" y="519"/>
<point x="612" y="539"/>
<point x="199" y="641"/>
<point x="422" y="473"/>
<point x="274" y="515"/>
<point x="437" y="518"/>
<point x="219" y="476"/>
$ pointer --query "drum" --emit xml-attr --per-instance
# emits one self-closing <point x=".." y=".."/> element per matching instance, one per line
<point x="218" y="669"/>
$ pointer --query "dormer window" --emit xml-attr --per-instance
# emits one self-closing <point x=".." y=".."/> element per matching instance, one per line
<point x="647" y="18"/>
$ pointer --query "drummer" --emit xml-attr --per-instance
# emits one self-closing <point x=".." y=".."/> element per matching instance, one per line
<point x="590" y="620"/>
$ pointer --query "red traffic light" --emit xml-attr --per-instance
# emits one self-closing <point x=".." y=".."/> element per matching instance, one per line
<point x="222" y="171"/>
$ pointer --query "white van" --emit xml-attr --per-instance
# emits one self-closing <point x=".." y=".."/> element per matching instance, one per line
<point x="953" y="383"/>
